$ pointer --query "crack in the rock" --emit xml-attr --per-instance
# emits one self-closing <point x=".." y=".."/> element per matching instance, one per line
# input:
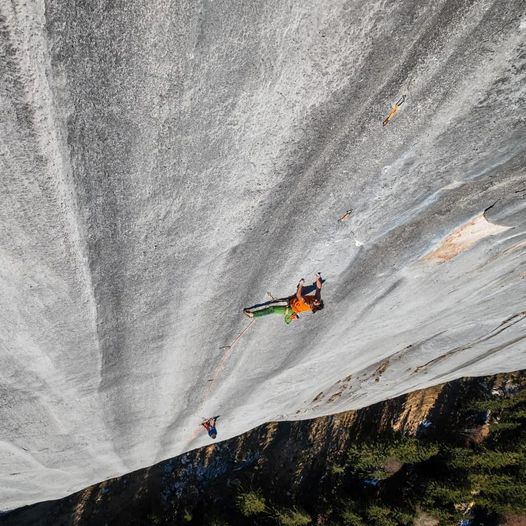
<point x="506" y="324"/>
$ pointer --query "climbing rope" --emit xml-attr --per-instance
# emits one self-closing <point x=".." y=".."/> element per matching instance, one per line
<point x="238" y="336"/>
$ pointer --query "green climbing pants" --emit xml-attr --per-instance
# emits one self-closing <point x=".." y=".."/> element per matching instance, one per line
<point x="283" y="310"/>
<point x="272" y="309"/>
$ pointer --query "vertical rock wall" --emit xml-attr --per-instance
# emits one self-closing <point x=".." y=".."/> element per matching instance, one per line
<point x="164" y="164"/>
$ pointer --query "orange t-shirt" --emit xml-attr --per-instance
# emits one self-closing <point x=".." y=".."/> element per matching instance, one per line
<point x="302" y="305"/>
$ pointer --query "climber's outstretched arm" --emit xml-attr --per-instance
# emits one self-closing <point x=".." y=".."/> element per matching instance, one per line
<point x="299" y="295"/>
<point x="318" y="286"/>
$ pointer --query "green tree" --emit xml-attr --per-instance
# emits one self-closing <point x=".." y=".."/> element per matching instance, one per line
<point x="293" y="517"/>
<point x="337" y="469"/>
<point x="371" y="459"/>
<point x="482" y="459"/>
<point x="380" y="515"/>
<point x="250" y="503"/>
<point x="351" y="518"/>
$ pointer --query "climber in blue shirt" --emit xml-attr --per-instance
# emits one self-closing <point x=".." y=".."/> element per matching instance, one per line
<point x="210" y="426"/>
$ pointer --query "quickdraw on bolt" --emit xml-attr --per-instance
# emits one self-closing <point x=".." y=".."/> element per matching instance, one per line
<point x="394" y="109"/>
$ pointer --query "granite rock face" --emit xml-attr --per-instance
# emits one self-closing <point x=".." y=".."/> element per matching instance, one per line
<point x="164" y="164"/>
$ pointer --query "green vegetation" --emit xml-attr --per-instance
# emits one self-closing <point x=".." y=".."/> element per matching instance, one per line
<point x="250" y="503"/>
<point x="471" y="473"/>
<point x="380" y="515"/>
<point x="337" y="469"/>
<point x="372" y="459"/>
<point x="293" y="517"/>
<point x="351" y="518"/>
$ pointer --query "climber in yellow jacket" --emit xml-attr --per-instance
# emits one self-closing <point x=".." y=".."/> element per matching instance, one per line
<point x="291" y="306"/>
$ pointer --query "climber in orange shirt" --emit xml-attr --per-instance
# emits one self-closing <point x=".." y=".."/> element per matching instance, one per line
<point x="292" y="306"/>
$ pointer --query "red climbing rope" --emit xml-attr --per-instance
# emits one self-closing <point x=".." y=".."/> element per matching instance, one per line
<point x="238" y="336"/>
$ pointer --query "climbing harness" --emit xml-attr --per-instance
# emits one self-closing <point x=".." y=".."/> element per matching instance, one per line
<point x="394" y="109"/>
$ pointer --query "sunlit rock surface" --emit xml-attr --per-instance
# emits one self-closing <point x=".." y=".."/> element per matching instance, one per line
<point x="164" y="164"/>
